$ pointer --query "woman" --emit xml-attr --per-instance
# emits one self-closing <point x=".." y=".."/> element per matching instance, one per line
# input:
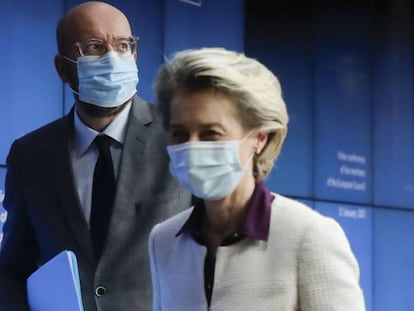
<point x="241" y="247"/>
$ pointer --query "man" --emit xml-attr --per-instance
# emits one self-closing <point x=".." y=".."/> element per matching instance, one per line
<point x="50" y="185"/>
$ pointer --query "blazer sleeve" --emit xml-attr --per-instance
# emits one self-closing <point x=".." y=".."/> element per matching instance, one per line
<point x="154" y="270"/>
<point x="16" y="255"/>
<point x="328" y="271"/>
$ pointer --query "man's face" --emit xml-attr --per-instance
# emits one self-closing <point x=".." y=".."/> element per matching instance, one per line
<point x="94" y="20"/>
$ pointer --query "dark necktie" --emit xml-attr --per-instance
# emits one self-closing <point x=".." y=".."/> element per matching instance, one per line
<point x="103" y="192"/>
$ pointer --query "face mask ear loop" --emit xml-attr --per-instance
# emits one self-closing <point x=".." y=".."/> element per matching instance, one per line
<point x="245" y="137"/>
<point x="248" y="161"/>
<point x="251" y="155"/>
<point x="70" y="59"/>
<point x="74" y="62"/>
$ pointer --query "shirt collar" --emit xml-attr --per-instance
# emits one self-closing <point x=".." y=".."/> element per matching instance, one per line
<point x="257" y="222"/>
<point x="84" y="135"/>
<point x="255" y="226"/>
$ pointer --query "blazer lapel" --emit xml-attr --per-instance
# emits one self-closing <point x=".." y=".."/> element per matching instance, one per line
<point x="65" y="184"/>
<point x="137" y="138"/>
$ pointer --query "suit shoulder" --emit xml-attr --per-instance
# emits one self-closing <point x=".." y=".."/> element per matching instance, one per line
<point x="297" y="214"/>
<point x="171" y="226"/>
<point x="290" y="205"/>
<point x="41" y="138"/>
<point x="49" y="129"/>
<point x="145" y="111"/>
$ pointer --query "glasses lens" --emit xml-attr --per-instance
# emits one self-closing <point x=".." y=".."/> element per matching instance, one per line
<point x="125" y="45"/>
<point x="97" y="47"/>
<point x="93" y="47"/>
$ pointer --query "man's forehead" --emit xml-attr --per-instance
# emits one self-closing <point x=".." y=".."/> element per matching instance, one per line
<point x="104" y="27"/>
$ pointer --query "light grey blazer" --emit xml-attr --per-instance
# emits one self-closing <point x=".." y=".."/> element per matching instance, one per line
<point x="45" y="216"/>
<point x="305" y="265"/>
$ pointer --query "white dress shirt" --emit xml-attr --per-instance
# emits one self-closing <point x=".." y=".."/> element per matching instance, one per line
<point x="84" y="154"/>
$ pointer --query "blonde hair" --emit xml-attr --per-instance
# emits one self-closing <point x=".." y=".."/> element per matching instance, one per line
<point x="254" y="89"/>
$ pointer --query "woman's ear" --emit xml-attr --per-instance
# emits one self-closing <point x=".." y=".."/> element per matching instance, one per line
<point x="261" y="140"/>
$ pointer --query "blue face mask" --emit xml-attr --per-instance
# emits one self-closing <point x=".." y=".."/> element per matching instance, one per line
<point x="210" y="170"/>
<point x="107" y="81"/>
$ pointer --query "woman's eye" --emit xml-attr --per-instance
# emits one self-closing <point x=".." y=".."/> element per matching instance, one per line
<point x="210" y="134"/>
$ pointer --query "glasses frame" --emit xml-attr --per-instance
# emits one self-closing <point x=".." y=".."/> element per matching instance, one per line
<point x="133" y="42"/>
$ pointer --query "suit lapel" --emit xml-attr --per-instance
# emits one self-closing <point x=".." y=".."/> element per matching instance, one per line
<point x="65" y="184"/>
<point x="134" y="155"/>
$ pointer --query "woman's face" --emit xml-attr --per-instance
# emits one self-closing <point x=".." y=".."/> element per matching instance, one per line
<point x="207" y="116"/>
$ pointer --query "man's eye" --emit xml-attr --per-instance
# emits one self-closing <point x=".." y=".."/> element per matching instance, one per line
<point x="123" y="46"/>
<point x="178" y="136"/>
<point x="93" y="48"/>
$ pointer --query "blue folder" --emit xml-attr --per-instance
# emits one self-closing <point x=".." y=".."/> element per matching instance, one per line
<point x="55" y="285"/>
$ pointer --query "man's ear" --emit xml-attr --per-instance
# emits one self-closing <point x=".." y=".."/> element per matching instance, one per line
<point x="135" y="56"/>
<point x="61" y="68"/>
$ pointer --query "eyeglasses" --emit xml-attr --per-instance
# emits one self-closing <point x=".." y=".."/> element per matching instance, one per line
<point x="98" y="47"/>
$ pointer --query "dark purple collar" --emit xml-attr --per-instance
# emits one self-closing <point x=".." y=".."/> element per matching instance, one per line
<point x="255" y="226"/>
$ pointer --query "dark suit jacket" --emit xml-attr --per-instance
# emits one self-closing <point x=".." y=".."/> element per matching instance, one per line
<point x="45" y="216"/>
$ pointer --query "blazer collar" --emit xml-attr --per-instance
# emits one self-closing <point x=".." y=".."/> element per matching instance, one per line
<point x="65" y="184"/>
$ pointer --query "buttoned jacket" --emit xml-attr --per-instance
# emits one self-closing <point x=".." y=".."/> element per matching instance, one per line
<point x="45" y="215"/>
<point x="306" y="264"/>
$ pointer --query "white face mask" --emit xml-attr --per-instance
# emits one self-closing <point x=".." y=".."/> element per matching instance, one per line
<point x="210" y="170"/>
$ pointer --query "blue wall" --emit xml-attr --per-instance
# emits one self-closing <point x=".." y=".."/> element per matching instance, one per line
<point x="346" y="69"/>
<point x="31" y="92"/>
